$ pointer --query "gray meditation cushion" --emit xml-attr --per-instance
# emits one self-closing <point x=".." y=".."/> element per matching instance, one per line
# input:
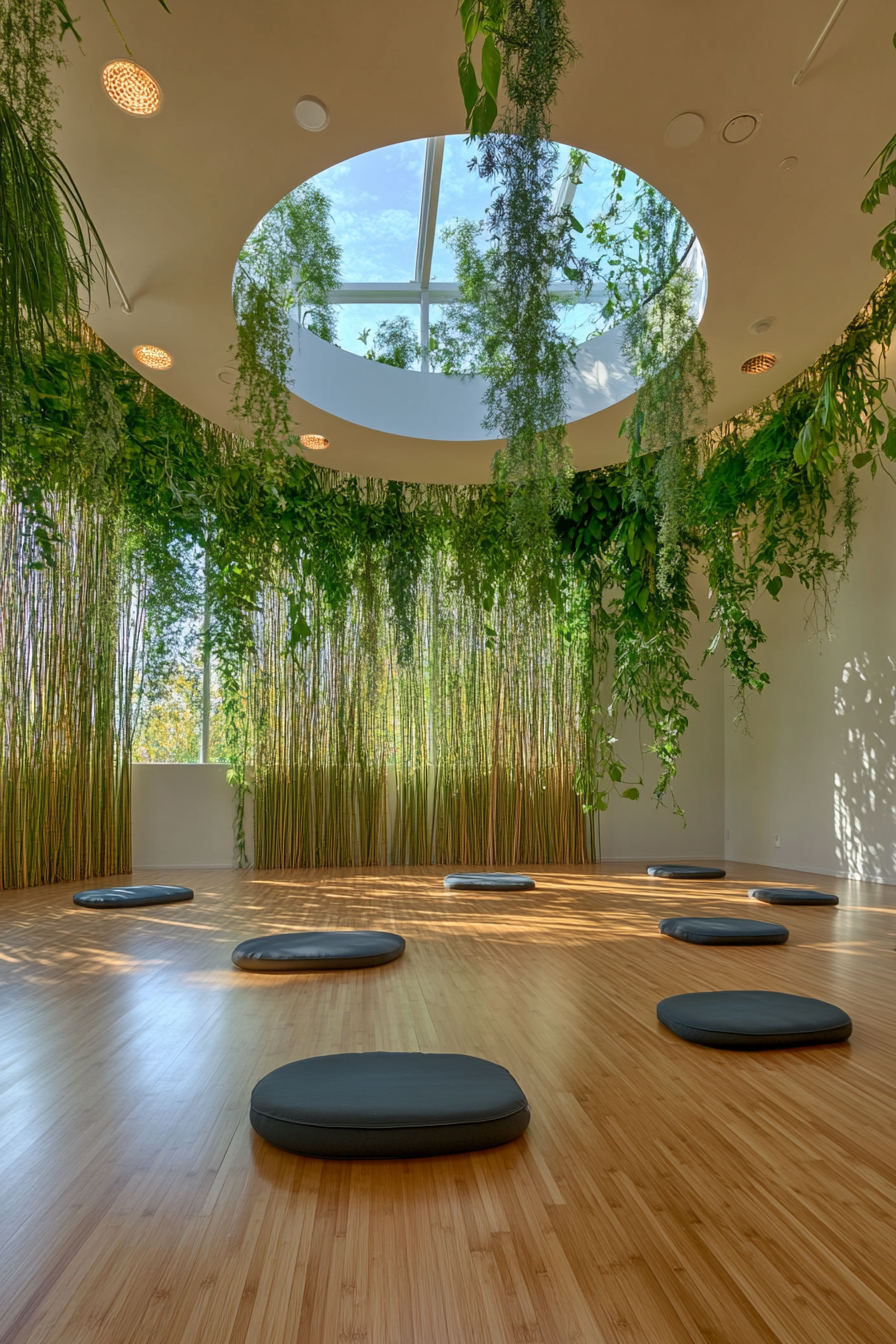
<point x="792" y="896"/>
<point x="732" y="932"/>
<point x="489" y="882"/>
<point x="318" y="951"/>
<point x="683" y="870"/>
<point x="118" y="898"/>
<point x="388" y="1105"/>
<point x="753" y="1019"/>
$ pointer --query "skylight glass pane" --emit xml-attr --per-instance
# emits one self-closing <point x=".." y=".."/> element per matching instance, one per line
<point x="463" y="195"/>
<point x="376" y="211"/>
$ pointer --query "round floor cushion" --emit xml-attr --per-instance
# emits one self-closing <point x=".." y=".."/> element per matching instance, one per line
<point x="342" y="950"/>
<point x="694" y="929"/>
<point x="683" y="870"/>
<point x="792" y="896"/>
<point x="489" y="882"/>
<point x="753" y="1019"/>
<point x="118" y="898"/>
<point x="384" y="1105"/>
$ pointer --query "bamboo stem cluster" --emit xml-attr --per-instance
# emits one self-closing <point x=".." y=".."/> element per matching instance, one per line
<point x="69" y="638"/>
<point x="466" y="753"/>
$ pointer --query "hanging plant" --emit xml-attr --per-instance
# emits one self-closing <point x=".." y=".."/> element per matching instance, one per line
<point x="288" y="268"/>
<point x="884" y="250"/>
<point x="525" y="49"/>
<point x="651" y="288"/>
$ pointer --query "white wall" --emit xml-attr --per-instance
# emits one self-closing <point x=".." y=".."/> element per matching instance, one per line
<point x="817" y="767"/>
<point x="182" y="816"/>
<point x="641" y="830"/>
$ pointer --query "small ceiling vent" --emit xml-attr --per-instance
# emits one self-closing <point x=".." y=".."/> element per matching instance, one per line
<point x="740" y="129"/>
<point x="759" y="363"/>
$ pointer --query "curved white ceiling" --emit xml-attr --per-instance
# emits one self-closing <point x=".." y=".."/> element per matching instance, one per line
<point x="175" y="196"/>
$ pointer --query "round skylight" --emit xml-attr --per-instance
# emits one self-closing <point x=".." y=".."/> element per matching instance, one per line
<point x="391" y="213"/>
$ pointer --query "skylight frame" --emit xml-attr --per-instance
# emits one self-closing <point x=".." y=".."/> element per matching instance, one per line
<point x="422" y="291"/>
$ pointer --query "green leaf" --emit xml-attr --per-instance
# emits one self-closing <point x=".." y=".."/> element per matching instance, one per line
<point x="469" y="85"/>
<point x="862" y="459"/>
<point x="491" y="67"/>
<point x="774" y="586"/>
<point x="631" y="793"/>
<point x="484" y="115"/>
<point x="574" y="223"/>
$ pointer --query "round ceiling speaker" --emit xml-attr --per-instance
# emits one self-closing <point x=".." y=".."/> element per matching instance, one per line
<point x="759" y="363"/>
<point x="132" y="88"/>
<point x="740" y="129"/>
<point x="153" y="357"/>
<point x="683" y="130"/>
<point x="311" y="114"/>
<point x="762" y="326"/>
<point x="316" y="442"/>
<point x="228" y="375"/>
<point x="789" y="163"/>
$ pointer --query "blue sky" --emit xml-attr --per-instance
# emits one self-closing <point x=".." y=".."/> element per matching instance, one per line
<point x="376" y="207"/>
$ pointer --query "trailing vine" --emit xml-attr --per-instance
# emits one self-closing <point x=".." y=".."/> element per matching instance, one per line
<point x="288" y="267"/>
<point x="526" y="46"/>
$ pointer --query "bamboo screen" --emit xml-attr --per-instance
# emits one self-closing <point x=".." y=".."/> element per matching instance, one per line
<point x="68" y="639"/>
<point x="467" y="754"/>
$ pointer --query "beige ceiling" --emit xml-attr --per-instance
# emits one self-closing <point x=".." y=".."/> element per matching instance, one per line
<point x="175" y="196"/>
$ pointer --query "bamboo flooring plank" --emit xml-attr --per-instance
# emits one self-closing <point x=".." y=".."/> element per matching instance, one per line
<point x="664" y="1193"/>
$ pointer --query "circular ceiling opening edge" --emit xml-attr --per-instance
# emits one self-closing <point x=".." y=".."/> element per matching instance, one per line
<point x="428" y="405"/>
<point x="449" y="407"/>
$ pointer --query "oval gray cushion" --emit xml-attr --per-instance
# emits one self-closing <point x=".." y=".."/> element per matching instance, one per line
<point x="694" y="929"/>
<point x="489" y="882"/>
<point x="338" y="950"/>
<point x="387" y="1105"/>
<point x="792" y="896"/>
<point x="117" y="898"/>
<point x="753" y="1019"/>
<point x="683" y="870"/>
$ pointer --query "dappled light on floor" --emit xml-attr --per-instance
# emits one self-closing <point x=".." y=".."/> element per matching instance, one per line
<point x="657" y="1183"/>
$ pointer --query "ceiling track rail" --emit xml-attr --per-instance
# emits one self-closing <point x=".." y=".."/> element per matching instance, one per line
<point x="801" y="73"/>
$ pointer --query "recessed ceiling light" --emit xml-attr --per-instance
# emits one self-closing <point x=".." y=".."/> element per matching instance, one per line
<point x="316" y="442"/>
<point x="311" y="114"/>
<point x="132" y="88"/>
<point x="740" y="128"/>
<point x="759" y="363"/>
<point x="683" y="130"/>
<point x="790" y="162"/>
<point x="762" y="326"/>
<point x="153" y="357"/>
<point x="228" y="375"/>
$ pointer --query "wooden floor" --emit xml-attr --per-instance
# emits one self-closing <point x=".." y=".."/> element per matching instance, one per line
<point x="664" y="1193"/>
